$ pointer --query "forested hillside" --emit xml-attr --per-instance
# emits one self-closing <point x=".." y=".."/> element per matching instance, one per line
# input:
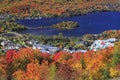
<point x="29" y="64"/>
<point x="56" y="7"/>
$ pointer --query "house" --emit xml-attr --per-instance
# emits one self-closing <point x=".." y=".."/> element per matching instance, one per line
<point x="81" y="51"/>
<point x="53" y="49"/>
<point x="4" y="42"/>
<point x="111" y="40"/>
<point x="3" y="16"/>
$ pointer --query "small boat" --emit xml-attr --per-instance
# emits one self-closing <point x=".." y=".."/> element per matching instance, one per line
<point x="40" y="18"/>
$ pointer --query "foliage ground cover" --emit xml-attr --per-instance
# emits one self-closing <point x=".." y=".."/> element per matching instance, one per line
<point x="29" y="64"/>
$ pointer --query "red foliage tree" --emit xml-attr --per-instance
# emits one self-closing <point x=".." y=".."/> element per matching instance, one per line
<point x="9" y="56"/>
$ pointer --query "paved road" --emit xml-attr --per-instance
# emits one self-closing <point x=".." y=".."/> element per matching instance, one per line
<point x="15" y="33"/>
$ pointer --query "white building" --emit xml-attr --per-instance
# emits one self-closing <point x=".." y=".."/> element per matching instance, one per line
<point x="102" y="44"/>
<point x="45" y="48"/>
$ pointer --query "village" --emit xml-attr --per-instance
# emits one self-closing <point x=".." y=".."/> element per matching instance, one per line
<point x="35" y="44"/>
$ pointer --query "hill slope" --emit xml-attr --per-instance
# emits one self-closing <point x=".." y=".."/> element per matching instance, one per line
<point x="56" y="7"/>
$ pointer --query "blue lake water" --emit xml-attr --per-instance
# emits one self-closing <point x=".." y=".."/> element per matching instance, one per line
<point x="92" y="23"/>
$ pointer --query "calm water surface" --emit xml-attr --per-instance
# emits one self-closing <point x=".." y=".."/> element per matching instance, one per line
<point x="92" y="23"/>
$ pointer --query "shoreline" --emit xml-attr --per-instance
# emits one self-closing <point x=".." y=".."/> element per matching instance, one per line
<point x="42" y="27"/>
<point x="97" y="13"/>
<point x="40" y="17"/>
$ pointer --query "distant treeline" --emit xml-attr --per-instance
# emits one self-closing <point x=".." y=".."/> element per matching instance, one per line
<point x="55" y="8"/>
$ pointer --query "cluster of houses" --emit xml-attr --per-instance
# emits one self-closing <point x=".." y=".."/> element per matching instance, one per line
<point x="43" y="48"/>
<point x="102" y="44"/>
<point x="96" y="45"/>
<point x="3" y="16"/>
<point x="29" y="18"/>
<point x="7" y="45"/>
<point x="74" y="50"/>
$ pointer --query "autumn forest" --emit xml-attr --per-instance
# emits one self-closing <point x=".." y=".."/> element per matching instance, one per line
<point x="57" y="57"/>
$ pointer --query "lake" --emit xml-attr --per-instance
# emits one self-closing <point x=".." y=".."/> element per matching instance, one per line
<point x="92" y="23"/>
